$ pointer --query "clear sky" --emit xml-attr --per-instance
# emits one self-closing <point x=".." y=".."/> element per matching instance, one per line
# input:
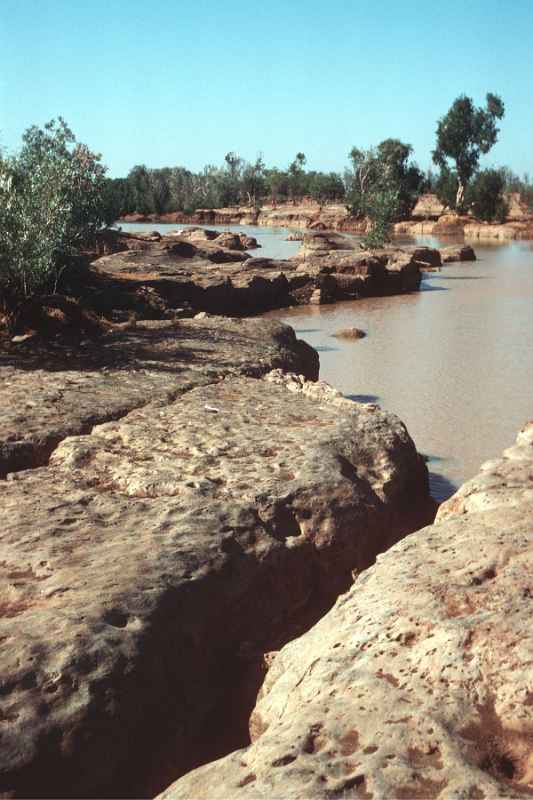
<point x="182" y="83"/>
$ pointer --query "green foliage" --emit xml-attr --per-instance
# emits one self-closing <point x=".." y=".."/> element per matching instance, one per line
<point x="485" y="196"/>
<point x="445" y="186"/>
<point x="523" y="185"/>
<point x="253" y="184"/>
<point x="382" y="206"/>
<point x="324" y="186"/>
<point x="296" y="176"/>
<point x="463" y="135"/>
<point x="52" y="202"/>
<point x="384" y="172"/>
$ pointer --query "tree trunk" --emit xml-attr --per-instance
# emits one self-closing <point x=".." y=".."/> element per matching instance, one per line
<point x="460" y="196"/>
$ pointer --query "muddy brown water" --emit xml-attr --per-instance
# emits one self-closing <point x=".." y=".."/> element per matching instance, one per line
<point x="453" y="361"/>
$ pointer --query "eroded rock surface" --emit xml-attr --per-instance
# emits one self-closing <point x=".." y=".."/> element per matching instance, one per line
<point x="194" y="268"/>
<point x="418" y="683"/>
<point x="52" y="392"/>
<point x="154" y="560"/>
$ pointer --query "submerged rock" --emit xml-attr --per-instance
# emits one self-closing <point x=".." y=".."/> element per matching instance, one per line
<point x="349" y="333"/>
<point x="418" y="682"/>
<point x="457" y="253"/>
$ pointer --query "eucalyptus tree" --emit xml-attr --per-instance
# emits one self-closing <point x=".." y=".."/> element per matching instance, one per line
<point x="296" y="175"/>
<point x="463" y="135"/>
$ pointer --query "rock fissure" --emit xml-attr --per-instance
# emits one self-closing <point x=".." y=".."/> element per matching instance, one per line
<point x="456" y="654"/>
<point x="138" y="619"/>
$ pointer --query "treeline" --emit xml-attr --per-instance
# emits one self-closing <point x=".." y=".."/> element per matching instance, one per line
<point x="236" y="182"/>
<point x="382" y="180"/>
<point x="55" y="196"/>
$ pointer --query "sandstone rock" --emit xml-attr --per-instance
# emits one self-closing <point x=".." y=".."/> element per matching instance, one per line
<point x="428" y="206"/>
<point x="148" y="563"/>
<point x="427" y="255"/>
<point x="223" y="281"/>
<point x="495" y="231"/>
<point x="205" y="275"/>
<point x="237" y="241"/>
<point x="294" y="237"/>
<point x="198" y="234"/>
<point x="350" y="333"/>
<point x="47" y="393"/>
<point x="450" y="224"/>
<point x="517" y="210"/>
<point x="457" y="253"/>
<point x="410" y="228"/>
<point x="418" y="683"/>
<point x="249" y="242"/>
<point x="317" y="242"/>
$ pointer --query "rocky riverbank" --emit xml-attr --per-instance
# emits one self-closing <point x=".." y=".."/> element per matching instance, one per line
<point x="193" y="269"/>
<point x="417" y="683"/>
<point x="429" y="217"/>
<point x="183" y="503"/>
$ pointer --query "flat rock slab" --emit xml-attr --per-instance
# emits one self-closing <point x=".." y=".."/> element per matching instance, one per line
<point x="211" y="278"/>
<point x="418" y="683"/>
<point x="152" y="556"/>
<point x="224" y="281"/>
<point x="48" y="393"/>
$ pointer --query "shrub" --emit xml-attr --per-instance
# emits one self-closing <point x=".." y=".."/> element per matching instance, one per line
<point x="51" y="205"/>
<point x="381" y="208"/>
<point x="485" y="196"/>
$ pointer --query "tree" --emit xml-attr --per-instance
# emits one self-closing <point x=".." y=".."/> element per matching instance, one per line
<point x="365" y="174"/>
<point x="230" y="180"/>
<point x="326" y="186"/>
<point x="140" y="183"/>
<point x="384" y="171"/>
<point x="464" y="134"/>
<point x="485" y="196"/>
<point x="401" y="174"/>
<point x="296" y="174"/>
<point x="446" y="186"/>
<point x="253" y="181"/>
<point x="52" y="202"/>
<point x="277" y="183"/>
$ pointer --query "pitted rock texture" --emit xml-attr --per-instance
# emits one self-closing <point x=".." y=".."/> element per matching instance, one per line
<point x="52" y="392"/>
<point x="152" y="558"/>
<point x="418" y="683"/>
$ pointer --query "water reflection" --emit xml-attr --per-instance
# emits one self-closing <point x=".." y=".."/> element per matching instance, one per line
<point x="363" y="398"/>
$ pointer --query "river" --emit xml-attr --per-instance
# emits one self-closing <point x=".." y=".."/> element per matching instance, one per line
<point x="453" y="361"/>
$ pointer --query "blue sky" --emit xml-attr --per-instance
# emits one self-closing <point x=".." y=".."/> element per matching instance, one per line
<point x="182" y="83"/>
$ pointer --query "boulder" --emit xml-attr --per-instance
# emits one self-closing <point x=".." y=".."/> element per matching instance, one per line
<point x="427" y="255"/>
<point x="349" y="333"/>
<point x="249" y="242"/>
<point x="517" y="209"/>
<point x="197" y="234"/>
<point x="317" y="242"/>
<point x="450" y="224"/>
<point x="149" y="566"/>
<point x="457" y="253"/>
<point x="428" y="206"/>
<point x="417" y="684"/>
